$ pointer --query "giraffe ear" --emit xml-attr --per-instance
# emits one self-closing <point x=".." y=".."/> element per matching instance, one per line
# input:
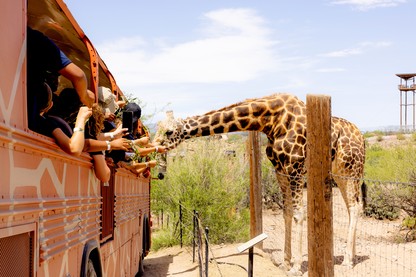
<point x="169" y="115"/>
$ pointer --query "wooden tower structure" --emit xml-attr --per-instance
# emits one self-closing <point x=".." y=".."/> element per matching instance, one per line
<point x="407" y="85"/>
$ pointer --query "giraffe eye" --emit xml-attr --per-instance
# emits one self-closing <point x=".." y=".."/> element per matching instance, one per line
<point x="168" y="133"/>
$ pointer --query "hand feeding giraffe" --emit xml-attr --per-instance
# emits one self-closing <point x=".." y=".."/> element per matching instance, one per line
<point x="282" y="117"/>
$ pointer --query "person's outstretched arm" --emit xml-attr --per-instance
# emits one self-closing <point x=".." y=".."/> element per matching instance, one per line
<point x="78" y="79"/>
<point x="75" y="144"/>
<point x="101" y="170"/>
<point x="93" y="145"/>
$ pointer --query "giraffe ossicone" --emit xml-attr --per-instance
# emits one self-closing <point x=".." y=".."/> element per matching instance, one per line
<point x="282" y="118"/>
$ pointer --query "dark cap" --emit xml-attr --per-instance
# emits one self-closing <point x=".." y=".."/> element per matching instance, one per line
<point x="137" y="111"/>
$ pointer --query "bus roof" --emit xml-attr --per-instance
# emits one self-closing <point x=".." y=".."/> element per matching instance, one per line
<point x="53" y="18"/>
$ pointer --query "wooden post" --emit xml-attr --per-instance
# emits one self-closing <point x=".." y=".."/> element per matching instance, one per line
<point x="256" y="220"/>
<point x="318" y="162"/>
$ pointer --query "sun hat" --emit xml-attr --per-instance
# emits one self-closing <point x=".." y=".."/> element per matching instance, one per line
<point x="107" y="100"/>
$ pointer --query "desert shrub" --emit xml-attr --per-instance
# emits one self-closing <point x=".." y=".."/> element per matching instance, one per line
<point x="272" y="194"/>
<point x="380" y="203"/>
<point x="384" y="166"/>
<point x="373" y="133"/>
<point x="409" y="224"/>
<point x="387" y="164"/>
<point x="164" y="238"/>
<point x="203" y="177"/>
<point x="400" y="136"/>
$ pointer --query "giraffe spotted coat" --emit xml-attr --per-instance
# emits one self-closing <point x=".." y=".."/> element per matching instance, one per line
<point x="282" y="118"/>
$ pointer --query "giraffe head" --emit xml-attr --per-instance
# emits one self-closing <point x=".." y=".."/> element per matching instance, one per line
<point x="169" y="132"/>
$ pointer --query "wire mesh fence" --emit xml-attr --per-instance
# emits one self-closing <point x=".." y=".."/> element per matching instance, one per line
<point x="201" y="251"/>
<point x="383" y="247"/>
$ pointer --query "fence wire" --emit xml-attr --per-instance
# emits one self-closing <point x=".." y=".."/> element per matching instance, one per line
<point x="383" y="247"/>
<point x="200" y="250"/>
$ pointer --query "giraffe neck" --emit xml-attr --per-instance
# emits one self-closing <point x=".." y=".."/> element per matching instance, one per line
<point x="270" y="115"/>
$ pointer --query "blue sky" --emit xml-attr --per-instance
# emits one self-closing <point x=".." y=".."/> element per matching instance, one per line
<point x="194" y="56"/>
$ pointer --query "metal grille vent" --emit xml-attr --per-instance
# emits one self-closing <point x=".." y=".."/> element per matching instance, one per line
<point x="16" y="255"/>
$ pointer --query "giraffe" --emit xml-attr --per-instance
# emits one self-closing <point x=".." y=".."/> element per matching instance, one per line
<point x="282" y="118"/>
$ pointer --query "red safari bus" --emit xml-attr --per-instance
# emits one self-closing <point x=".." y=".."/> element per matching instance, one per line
<point x="56" y="218"/>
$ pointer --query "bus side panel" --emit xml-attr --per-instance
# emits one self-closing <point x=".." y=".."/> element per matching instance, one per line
<point x="131" y="205"/>
<point x="63" y="264"/>
<point x="56" y="192"/>
<point x="69" y="220"/>
<point x="12" y="63"/>
<point x="60" y="195"/>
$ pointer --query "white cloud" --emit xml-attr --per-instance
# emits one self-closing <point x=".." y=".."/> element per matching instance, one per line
<point x="364" y="5"/>
<point x="377" y="44"/>
<point x="363" y="47"/>
<point x="230" y="21"/>
<point x="343" y="53"/>
<point x="234" y="46"/>
<point x="330" y="70"/>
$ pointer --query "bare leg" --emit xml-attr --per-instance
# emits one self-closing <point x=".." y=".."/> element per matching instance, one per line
<point x="297" y="257"/>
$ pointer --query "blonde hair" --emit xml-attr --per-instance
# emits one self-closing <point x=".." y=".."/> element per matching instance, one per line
<point x="96" y="121"/>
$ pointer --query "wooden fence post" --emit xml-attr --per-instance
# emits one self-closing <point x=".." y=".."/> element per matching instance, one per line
<point x="318" y="162"/>
<point x="256" y="220"/>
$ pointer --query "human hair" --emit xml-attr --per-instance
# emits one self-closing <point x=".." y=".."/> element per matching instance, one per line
<point x="96" y="121"/>
<point x="43" y="97"/>
<point x="67" y="105"/>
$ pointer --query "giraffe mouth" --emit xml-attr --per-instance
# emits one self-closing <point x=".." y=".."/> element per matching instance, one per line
<point x="163" y="143"/>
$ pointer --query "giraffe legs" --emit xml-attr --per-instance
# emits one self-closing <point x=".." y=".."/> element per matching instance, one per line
<point x="350" y="193"/>
<point x="287" y="216"/>
<point x="292" y="213"/>
<point x="297" y="253"/>
<point x="298" y="216"/>
<point x="352" y="230"/>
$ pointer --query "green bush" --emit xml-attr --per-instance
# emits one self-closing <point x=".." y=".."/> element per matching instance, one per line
<point x="373" y="133"/>
<point x="202" y="176"/>
<point x="400" y="136"/>
<point x="272" y="195"/>
<point x="384" y="166"/>
<point x="163" y="238"/>
<point x="380" y="204"/>
<point x="390" y="164"/>
<point x="409" y="223"/>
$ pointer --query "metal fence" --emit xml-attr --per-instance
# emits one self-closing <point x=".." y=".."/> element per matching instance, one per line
<point x="383" y="247"/>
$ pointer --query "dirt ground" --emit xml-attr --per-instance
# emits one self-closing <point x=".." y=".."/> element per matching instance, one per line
<point x="376" y="255"/>
<point x="176" y="261"/>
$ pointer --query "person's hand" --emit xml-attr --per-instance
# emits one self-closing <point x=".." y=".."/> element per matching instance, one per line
<point x="152" y="163"/>
<point x="110" y="162"/>
<point x="110" y="116"/>
<point x="160" y="149"/>
<point x="84" y="113"/>
<point x="142" y="141"/>
<point x="120" y="144"/>
<point x="120" y="131"/>
<point x="87" y="99"/>
<point x="121" y="103"/>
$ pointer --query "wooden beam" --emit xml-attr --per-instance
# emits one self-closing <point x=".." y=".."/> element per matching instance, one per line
<point x="256" y="220"/>
<point x="318" y="162"/>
